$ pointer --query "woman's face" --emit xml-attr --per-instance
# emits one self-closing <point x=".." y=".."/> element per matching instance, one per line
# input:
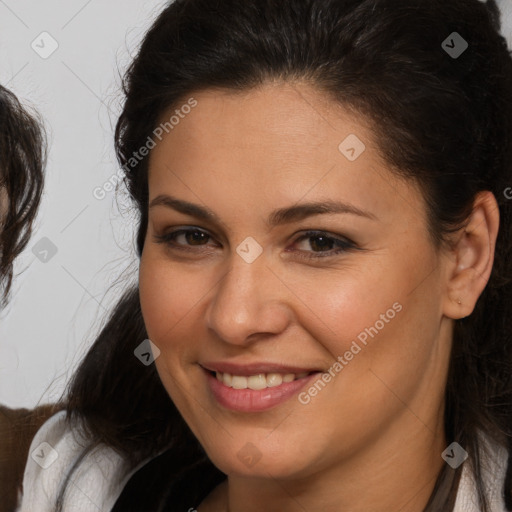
<point x="314" y="258"/>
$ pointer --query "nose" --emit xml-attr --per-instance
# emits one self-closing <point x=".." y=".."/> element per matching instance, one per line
<point x="248" y="303"/>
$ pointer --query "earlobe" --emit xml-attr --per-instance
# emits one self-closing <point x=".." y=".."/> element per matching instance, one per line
<point x="472" y="257"/>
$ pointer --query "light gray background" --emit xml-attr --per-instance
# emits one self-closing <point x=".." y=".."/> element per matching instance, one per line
<point x="57" y="305"/>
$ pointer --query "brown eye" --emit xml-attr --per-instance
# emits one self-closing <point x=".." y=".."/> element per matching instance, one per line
<point x="192" y="237"/>
<point x="324" y="245"/>
<point x="195" y="237"/>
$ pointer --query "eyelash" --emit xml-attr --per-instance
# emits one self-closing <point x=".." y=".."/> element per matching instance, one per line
<point x="344" y="245"/>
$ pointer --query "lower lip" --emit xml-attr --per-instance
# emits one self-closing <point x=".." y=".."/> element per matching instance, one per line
<point x="250" y="400"/>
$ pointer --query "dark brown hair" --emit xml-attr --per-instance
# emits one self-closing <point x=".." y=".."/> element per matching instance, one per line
<point x="22" y="161"/>
<point x="441" y="121"/>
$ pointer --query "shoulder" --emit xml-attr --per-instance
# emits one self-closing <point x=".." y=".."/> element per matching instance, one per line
<point x="17" y="429"/>
<point x="96" y="474"/>
<point x="493" y="466"/>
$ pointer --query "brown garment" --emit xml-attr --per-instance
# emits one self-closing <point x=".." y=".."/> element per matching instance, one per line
<point x="17" y="429"/>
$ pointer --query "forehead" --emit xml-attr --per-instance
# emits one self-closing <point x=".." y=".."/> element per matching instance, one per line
<point x="273" y="114"/>
<point x="267" y="131"/>
<point x="272" y="146"/>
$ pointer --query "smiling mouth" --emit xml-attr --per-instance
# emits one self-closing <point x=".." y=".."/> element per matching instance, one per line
<point x="258" y="381"/>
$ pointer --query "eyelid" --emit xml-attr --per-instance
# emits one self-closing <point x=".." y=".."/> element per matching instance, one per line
<point x="343" y="243"/>
<point x="165" y="238"/>
<point x="309" y="233"/>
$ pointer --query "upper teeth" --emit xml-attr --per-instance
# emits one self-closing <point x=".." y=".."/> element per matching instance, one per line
<point x="257" y="382"/>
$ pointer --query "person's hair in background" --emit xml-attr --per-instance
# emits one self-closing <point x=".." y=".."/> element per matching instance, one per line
<point x="22" y="160"/>
<point x="442" y="122"/>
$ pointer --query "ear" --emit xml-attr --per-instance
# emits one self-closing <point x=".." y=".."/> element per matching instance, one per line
<point x="472" y="257"/>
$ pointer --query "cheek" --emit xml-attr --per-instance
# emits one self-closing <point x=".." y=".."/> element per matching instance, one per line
<point x="168" y="295"/>
<point x="377" y="317"/>
<point x="339" y="306"/>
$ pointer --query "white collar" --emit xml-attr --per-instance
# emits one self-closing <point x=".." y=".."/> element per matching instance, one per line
<point x="493" y="461"/>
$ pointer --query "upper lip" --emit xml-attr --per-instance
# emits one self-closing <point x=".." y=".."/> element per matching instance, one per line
<point x="254" y="368"/>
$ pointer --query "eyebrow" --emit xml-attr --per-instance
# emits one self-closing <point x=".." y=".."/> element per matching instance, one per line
<point x="280" y="216"/>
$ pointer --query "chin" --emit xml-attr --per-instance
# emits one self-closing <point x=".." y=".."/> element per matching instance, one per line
<point x="260" y="462"/>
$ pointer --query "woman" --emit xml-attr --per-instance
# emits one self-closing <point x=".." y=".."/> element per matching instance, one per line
<point x="325" y="270"/>
<point x="22" y="156"/>
<point x="22" y="159"/>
